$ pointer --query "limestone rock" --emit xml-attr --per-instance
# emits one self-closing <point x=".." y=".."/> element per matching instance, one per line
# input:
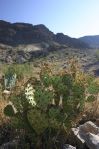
<point x="88" y="133"/>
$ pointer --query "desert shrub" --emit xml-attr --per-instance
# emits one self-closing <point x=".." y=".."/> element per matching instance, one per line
<point x="48" y="106"/>
<point x="14" y="73"/>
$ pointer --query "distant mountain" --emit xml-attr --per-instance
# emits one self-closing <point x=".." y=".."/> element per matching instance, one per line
<point x="72" y="42"/>
<point x="14" y="34"/>
<point x="93" y="41"/>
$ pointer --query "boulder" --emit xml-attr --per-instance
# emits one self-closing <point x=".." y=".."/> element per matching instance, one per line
<point x="88" y="133"/>
<point x="92" y="141"/>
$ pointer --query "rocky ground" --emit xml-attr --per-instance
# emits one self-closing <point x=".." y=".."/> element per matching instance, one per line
<point x="37" y="53"/>
<point x="85" y="136"/>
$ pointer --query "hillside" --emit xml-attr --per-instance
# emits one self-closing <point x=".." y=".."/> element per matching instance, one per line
<point x="23" y="42"/>
<point x="93" y="41"/>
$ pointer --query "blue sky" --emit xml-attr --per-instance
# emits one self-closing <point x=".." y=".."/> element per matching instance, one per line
<point x="72" y="17"/>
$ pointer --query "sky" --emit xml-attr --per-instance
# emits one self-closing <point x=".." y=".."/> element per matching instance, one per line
<point x="74" y="18"/>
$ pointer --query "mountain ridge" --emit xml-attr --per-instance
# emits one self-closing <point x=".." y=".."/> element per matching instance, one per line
<point x="24" y="33"/>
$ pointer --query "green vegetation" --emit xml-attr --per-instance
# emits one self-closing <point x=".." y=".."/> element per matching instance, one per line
<point x="46" y="107"/>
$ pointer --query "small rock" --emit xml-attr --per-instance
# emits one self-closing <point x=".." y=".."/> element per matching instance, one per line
<point x="6" y="92"/>
<point x="67" y="146"/>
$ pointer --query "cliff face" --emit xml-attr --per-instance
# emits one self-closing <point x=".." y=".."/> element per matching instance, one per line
<point x="23" y="33"/>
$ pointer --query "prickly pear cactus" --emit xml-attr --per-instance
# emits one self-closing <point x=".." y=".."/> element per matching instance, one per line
<point x="9" y="111"/>
<point x="10" y="77"/>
